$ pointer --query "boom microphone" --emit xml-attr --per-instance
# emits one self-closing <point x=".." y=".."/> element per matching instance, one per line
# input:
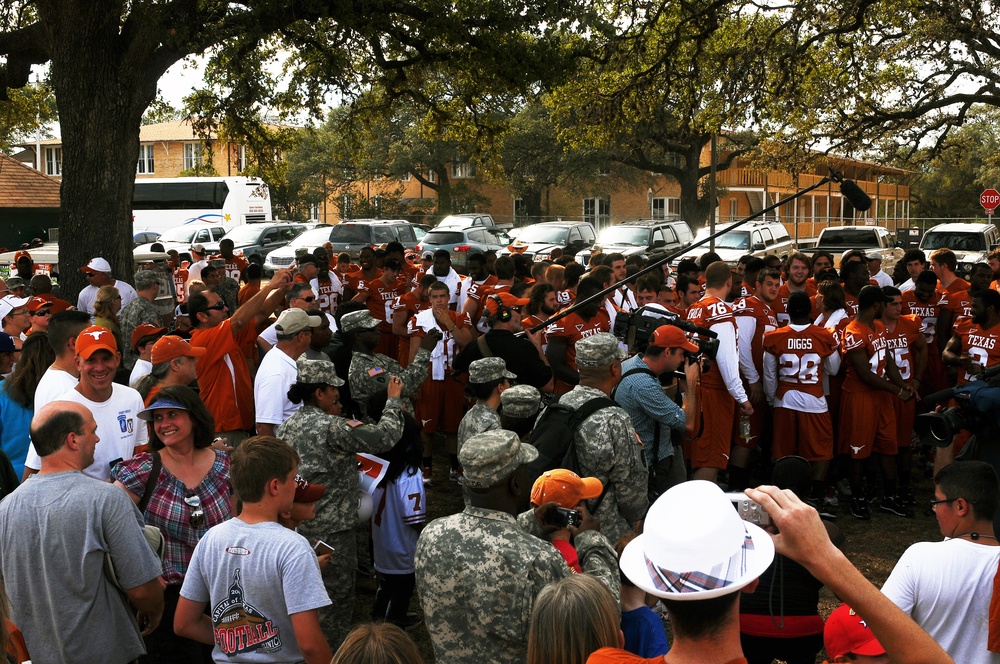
<point x="858" y="198"/>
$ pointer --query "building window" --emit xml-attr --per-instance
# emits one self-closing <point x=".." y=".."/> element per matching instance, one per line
<point x="314" y="212"/>
<point x="734" y="209"/>
<point x="145" y="164"/>
<point x="406" y="177"/>
<point x="432" y="176"/>
<point x="346" y="206"/>
<point x="241" y="158"/>
<point x="666" y="207"/>
<point x="53" y="161"/>
<point x="597" y="211"/>
<point x="463" y="169"/>
<point x="520" y="209"/>
<point x="193" y="156"/>
<point x="603" y="169"/>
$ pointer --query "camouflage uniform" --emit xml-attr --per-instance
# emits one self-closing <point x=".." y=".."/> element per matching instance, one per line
<point x="229" y="290"/>
<point x="607" y="447"/>
<point x="480" y="418"/>
<point x="369" y="374"/>
<point x="521" y="401"/>
<point x="330" y="460"/>
<point x="135" y="313"/>
<point x="478" y="572"/>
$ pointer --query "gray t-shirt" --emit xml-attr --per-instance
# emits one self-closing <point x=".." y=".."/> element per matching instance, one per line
<point x="54" y="532"/>
<point x="254" y="577"/>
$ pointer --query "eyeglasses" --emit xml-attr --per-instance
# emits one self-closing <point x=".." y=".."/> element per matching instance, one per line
<point x="935" y="503"/>
<point x="89" y="274"/>
<point x="218" y="306"/>
<point x="197" y="518"/>
<point x="41" y="312"/>
<point x="308" y="299"/>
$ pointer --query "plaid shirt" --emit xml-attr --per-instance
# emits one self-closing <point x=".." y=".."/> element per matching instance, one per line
<point x="642" y="398"/>
<point x="168" y="511"/>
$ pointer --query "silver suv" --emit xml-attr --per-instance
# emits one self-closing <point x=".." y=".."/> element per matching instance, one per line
<point x="971" y="243"/>
<point x="757" y="239"/>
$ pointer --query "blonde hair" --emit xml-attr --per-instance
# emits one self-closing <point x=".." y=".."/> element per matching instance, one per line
<point x="573" y="618"/>
<point x="377" y="643"/>
<point x="104" y="304"/>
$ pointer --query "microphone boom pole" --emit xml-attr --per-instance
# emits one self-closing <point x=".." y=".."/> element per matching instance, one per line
<point x="835" y="177"/>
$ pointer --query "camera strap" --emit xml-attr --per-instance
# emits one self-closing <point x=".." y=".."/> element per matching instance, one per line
<point x="656" y="423"/>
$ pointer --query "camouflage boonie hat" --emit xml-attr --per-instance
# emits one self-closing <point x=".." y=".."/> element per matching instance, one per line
<point x="491" y="457"/>
<point x="358" y="320"/>
<point x="599" y="350"/>
<point x="521" y="401"/>
<point x="315" y="372"/>
<point x="489" y="369"/>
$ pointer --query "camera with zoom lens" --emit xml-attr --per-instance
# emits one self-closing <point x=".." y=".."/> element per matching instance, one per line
<point x="978" y="411"/>
<point x="637" y="328"/>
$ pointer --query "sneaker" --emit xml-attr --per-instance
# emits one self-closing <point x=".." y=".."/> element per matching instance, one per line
<point x="831" y="500"/>
<point x="428" y="480"/>
<point x="859" y="510"/>
<point x="456" y="476"/>
<point x="893" y="505"/>
<point x="844" y="487"/>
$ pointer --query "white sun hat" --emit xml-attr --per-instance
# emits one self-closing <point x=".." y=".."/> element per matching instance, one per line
<point x="695" y="546"/>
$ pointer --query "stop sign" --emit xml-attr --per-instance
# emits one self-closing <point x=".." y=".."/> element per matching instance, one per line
<point x="990" y="199"/>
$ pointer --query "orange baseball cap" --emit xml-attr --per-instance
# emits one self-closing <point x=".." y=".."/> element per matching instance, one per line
<point x="21" y="254"/>
<point x="507" y="299"/>
<point x="564" y="487"/>
<point x="170" y="347"/>
<point x="144" y="330"/>
<point x="669" y="336"/>
<point x="93" y="339"/>
<point x="306" y="492"/>
<point x="36" y="303"/>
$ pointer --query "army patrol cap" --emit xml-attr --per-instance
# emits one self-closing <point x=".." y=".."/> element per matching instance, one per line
<point x="520" y="401"/>
<point x="293" y="321"/>
<point x="316" y="372"/>
<point x="358" y="320"/>
<point x="599" y="350"/>
<point x="489" y="369"/>
<point x="492" y="456"/>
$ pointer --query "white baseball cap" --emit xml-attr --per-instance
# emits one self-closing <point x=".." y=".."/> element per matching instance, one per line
<point x="98" y="265"/>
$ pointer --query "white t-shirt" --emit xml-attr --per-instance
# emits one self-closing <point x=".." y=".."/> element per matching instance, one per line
<point x="53" y="383"/>
<point x="118" y="427"/>
<point x="254" y="577"/>
<point x="882" y="278"/>
<point x="275" y="375"/>
<point x="194" y="273"/>
<point x="946" y="588"/>
<point x="398" y="506"/>
<point x="87" y="297"/>
<point x="907" y="285"/>
<point x="142" y="368"/>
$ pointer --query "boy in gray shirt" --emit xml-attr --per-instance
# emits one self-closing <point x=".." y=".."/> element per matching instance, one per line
<point x="261" y="580"/>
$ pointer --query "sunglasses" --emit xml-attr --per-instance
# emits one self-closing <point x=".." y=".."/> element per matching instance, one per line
<point x="218" y="306"/>
<point x="311" y="298"/>
<point x="41" y="312"/>
<point x="197" y="518"/>
<point x="89" y="274"/>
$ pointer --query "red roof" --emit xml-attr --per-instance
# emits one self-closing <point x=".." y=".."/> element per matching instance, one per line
<point x="23" y="187"/>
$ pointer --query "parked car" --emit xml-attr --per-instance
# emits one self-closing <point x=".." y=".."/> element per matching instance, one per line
<point x="461" y="242"/>
<point x="970" y="242"/>
<point x="255" y="241"/>
<point x="352" y="236"/>
<point x="841" y="239"/>
<point x="652" y="239"/>
<point x="756" y="239"/>
<point x="470" y="220"/>
<point x="182" y="237"/>
<point x="542" y="239"/>
<point x="144" y="237"/>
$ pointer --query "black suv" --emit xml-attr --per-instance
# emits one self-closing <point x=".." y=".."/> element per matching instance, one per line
<point x="542" y="239"/>
<point x="652" y="239"/>
<point x="352" y="236"/>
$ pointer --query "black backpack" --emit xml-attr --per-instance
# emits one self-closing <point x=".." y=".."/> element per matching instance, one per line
<point x="553" y="436"/>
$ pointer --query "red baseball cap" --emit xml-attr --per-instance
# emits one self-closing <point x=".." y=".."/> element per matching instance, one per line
<point x="846" y="632"/>
<point x="306" y="492"/>
<point x="144" y="330"/>
<point x="507" y="299"/>
<point x="564" y="487"/>
<point x="170" y="347"/>
<point x="669" y="336"/>
<point x="93" y="339"/>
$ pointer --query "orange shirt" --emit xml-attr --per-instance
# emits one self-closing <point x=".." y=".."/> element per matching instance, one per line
<point x="900" y="340"/>
<point x="851" y="305"/>
<point x="959" y="304"/>
<point x="234" y="266"/>
<point x="800" y="355"/>
<point x="765" y="320"/>
<point x="328" y="295"/>
<point x="419" y="325"/>
<point x="247" y="291"/>
<point x="573" y="327"/>
<point x="780" y="303"/>
<point x="565" y="298"/>
<point x="857" y="335"/>
<point x="927" y="313"/>
<point x="706" y="312"/>
<point x="223" y="375"/>
<point x="959" y="284"/>
<point x="180" y="283"/>
<point x="982" y="344"/>
<point x="380" y="299"/>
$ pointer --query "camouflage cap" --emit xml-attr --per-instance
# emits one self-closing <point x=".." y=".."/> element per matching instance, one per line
<point x="489" y="369"/>
<point x="315" y="372"/>
<point x="599" y="350"/>
<point x="492" y="456"/>
<point x="521" y="401"/>
<point x="358" y="320"/>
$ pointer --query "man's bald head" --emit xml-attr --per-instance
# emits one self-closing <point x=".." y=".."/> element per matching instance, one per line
<point x="53" y="423"/>
<point x="40" y="283"/>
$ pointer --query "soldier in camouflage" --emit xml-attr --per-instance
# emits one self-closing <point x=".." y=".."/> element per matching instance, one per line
<point x="369" y="371"/>
<point x="605" y="443"/>
<point x="478" y="572"/>
<point x="488" y="378"/>
<point x="327" y="445"/>
<point x="139" y="311"/>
